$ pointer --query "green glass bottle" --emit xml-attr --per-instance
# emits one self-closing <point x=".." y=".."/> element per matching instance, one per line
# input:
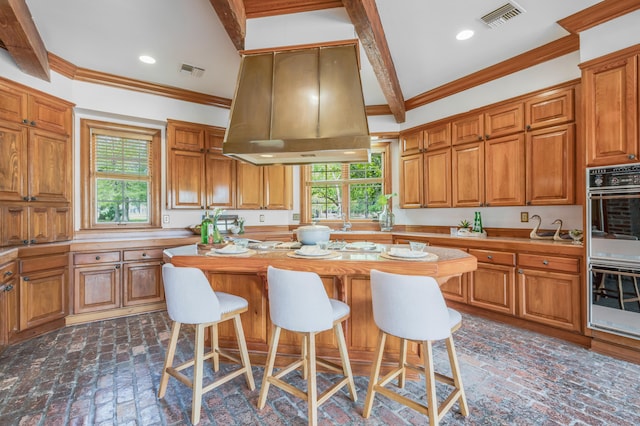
<point x="477" y="222"/>
<point x="204" y="228"/>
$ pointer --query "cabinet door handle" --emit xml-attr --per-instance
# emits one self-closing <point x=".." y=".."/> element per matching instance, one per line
<point x="25" y="242"/>
<point x="487" y="136"/>
<point x="632" y="156"/>
<point x="25" y="198"/>
<point x="528" y="127"/>
<point x="97" y="257"/>
<point x="545" y="262"/>
<point x="26" y="279"/>
<point x="117" y="266"/>
<point x="520" y="271"/>
<point x="33" y="241"/>
<point x="489" y="257"/>
<point x="8" y="274"/>
<point x="33" y="123"/>
<point x="144" y="254"/>
<point x="25" y="121"/>
<point x="33" y="199"/>
<point x="8" y="288"/>
<point x="479" y="137"/>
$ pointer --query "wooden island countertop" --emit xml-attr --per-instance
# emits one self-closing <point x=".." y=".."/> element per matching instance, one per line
<point x="346" y="278"/>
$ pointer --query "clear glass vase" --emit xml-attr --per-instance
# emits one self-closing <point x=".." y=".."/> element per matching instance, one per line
<point x="216" y="237"/>
<point x="386" y="219"/>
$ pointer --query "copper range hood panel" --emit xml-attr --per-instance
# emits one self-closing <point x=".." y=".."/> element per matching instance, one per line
<point x="299" y="107"/>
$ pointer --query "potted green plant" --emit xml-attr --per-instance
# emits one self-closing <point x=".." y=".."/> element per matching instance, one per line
<point x="464" y="224"/>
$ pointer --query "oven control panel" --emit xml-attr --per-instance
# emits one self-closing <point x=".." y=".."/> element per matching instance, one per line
<point x="614" y="176"/>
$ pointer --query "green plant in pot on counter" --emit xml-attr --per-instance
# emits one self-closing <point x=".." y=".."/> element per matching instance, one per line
<point x="464" y="224"/>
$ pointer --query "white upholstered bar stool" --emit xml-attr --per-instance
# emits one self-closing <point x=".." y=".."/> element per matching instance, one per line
<point x="299" y="303"/>
<point x="191" y="300"/>
<point x="412" y="308"/>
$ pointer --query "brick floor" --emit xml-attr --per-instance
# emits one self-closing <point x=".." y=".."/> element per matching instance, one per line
<point x="107" y="373"/>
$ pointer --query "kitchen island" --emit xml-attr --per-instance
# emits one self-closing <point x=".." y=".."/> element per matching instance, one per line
<point x="345" y="274"/>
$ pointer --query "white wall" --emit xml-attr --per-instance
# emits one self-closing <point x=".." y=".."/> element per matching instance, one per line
<point x="611" y="36"/>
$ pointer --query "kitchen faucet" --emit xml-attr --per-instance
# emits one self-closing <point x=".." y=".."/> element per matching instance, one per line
<point x="346" y="225"/>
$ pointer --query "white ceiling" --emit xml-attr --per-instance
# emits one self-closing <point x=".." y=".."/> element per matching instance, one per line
<point x="110" y="35"/>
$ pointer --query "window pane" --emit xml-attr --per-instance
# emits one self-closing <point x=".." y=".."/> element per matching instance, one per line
<point x="326" y="172"/>
<point x="367" y="170"/>
<point x="122" y="201"/>
<point x="363" y="199"/>
<point x="116" y="155"/>
<point x="326" y="202"/>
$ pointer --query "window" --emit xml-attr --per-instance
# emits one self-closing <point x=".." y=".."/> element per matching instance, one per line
<point x="336" y="189"/>
<point x="120" y="174"/>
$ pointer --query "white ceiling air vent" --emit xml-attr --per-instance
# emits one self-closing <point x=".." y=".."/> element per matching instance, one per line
<point x="502" y="14"/>
<point x="192" y="70"/>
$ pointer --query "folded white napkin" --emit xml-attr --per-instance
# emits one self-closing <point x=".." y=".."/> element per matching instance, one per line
<point x="229" y="248"/>
<point x="402" y="252"/>
<point x="311" y="250"/>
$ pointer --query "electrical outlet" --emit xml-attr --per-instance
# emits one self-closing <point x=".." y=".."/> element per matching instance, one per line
<point x="524" y="216"/>
<point x="261" y="218"/>
<point x="296" y="216"/>
<point x="166" y="218"/>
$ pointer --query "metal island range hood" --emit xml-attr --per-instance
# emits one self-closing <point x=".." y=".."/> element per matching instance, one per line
<point x="299" y="107"/>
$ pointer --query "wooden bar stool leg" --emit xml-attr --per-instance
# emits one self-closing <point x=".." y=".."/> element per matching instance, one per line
<point x="457" y="378"/>
<point x="215" y="347"/>
<point x="168" y="361"/>
<point x="621" y="292"/>
<point x="375" y="372"/>
<point x="268" y="370"/>
<point x="430" y="379"/>
<point x="344" y="357"/>
<point x="196" y="402"/>
<point x="305" y="357"/>
<point x="244" y="354"/>
<point x="312" y="391"/>
<point x="402" y="362"/>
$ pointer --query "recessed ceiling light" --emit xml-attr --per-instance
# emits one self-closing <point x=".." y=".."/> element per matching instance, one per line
<point x="464" y="35"/>
<point x="147" y="59"/>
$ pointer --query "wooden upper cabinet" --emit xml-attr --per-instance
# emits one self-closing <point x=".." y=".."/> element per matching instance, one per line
<point x="437" y="178"/>
<point x="199" y="177"/>
<point x="504" y="120"/>
<point x="220" y="180"/>
<point x="551" y="163"/>
<point x="412" y="143"/>
<point x="186" y="183"/>
<point x="411" y="181"/>
<point x="13" y="162"/>
<point x="49" y="166"/>
<point x="185" y="136"/>
<point x="213" y="140"/>
<point x="467" y="128"/>
<point x="437" y="136"/>
<point x="264" y="187"/>
<point x="504" y="171"/>
<point x="549" y="109"/>
<point x="610" y="96"/>
<point x="467" y="170"/>
<point x="250" y="183"/>
<point x="19" y="104"/>
<point x="278" y="188"/>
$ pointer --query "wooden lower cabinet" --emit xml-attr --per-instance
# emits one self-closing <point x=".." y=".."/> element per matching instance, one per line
<point x="549" y="291"/>
<point x="492" y="287"/>
<point x="43" y="295"/>
<point x="456" y="288"/>
<point x="8" y="301"/>
<point x="108" y="283"/>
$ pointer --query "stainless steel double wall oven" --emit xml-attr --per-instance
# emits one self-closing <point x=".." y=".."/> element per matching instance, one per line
<point x="613" y="249"/>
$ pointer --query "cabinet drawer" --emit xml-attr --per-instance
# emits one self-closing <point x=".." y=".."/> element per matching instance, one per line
<point x="563" y="264"/>
<point x="7" y="272"/>
<point x="43" y="263"/>
<point x="144" y="254"/>
<point x="96" y="257"/>
<point x="494" y="257"/>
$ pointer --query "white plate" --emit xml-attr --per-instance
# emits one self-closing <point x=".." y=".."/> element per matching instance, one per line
<point x="312" y="253"/>
<point x="408" y="254"/>
<point x="362" y="245"/>
<point x="232" y="250"/>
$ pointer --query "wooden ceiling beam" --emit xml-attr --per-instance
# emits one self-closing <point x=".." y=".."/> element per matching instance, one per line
<point x="365" y="18"/>
<point x="21" y="38"/>
<point x="234" y="19"/>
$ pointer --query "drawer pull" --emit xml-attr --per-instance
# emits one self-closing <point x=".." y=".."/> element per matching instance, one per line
<point x="97" y="257"/>
<point x="8" y="288"/>
<point x="26" y="279"/>
<point x="8" y="274"/>
<point x="144" y="254"/>
<point x="545" y="262"/>
<point x="117" y="266"/>
<point x="489" y="257"/>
